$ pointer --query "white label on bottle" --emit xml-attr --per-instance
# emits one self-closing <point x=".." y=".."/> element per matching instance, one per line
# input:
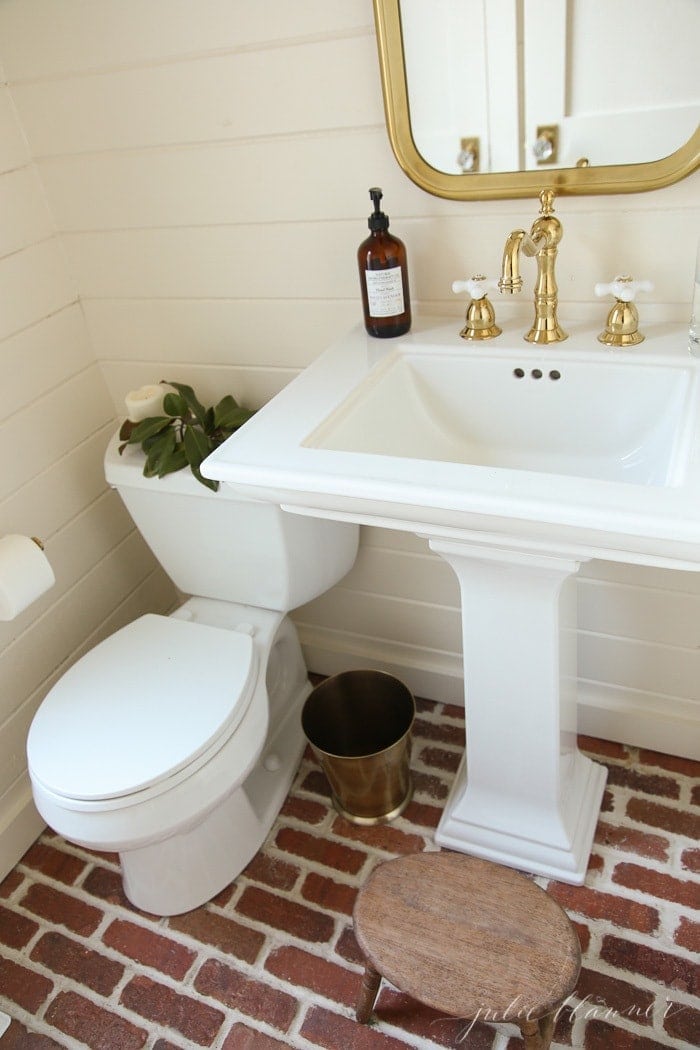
<point x="385" y="292"/>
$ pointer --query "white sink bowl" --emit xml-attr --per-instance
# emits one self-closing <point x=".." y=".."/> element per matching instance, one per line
<point x="436" y="435"/>
<point x="560" y="416"/>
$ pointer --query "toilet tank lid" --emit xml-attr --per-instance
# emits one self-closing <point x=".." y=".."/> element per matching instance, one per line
<point x="141" y="706"/>
<point x="125" y="470"/>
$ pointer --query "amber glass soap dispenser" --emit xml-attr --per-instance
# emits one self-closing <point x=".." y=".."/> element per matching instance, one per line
<point x="383" y="277"/>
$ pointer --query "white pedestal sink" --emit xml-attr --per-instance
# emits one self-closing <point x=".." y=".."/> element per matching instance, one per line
<point x="517" y="463"/>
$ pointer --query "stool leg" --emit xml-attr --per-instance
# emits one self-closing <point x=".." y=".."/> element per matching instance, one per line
<point x="537" y="1035"/>
<point x="371" y="979"/>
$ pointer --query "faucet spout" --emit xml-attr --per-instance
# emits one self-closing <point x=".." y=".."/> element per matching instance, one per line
<point x="541" y="243"/>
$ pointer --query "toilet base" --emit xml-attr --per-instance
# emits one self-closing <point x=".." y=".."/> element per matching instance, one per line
<point x="189" y="868"/>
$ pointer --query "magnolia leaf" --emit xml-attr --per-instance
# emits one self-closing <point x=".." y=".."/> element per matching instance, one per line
<point x="175" y="405"/>
<point x="197" y="446"/>
<point x="196" y="408"/>
<point x="160" y="447"/>
<point x="125" y="431"/>
<point x="236" y="419"/>
<point x="176" y="460"/>
<point x="147" y="428"/>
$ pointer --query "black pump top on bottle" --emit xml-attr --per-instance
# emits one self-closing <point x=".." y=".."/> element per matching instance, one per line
<point x="377" y="220"/>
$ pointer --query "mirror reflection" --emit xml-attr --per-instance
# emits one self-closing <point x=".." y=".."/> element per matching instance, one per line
<point x="528" y="85"/>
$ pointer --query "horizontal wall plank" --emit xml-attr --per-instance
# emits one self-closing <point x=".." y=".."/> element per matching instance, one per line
<point x="40" y="357"/>
<point x="25" y="215"/>
<point x="34" y="283"/>
<point x="669" y="580"/>
<point x="205" y="100"/>
<point x="47" y="429"/>
<point x="400" y="574"/>
<point x="251" y="387"/>
<point x="285" y="179"/>
<point x="45" y="502"/>
<point x="641" y="613"/>
<point x="643" y="666"/>
<point x="379" y="616"/>
<point x="41" y="39"/>
<point x="232" y="332"/>
<point x="214" y="262"/>
<point x="13" y="146"/>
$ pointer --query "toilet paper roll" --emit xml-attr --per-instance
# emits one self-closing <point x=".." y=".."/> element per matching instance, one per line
<point x="25" y="574"/>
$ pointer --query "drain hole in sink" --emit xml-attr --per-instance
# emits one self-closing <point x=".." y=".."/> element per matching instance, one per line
<point x="536" y="373"/>
<point x="518" y="373"/>
<point x="554" y="374"/>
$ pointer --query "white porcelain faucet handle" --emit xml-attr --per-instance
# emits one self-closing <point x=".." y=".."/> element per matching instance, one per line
<point x="624" y="288"/>
<point x="476" y="286"/>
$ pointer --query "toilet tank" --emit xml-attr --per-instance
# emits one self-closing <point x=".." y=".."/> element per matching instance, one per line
<point x="222" y="545"/>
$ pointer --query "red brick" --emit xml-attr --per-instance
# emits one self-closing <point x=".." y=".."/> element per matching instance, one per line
<point x="24" y="987"/>
<point x="607" y="804"/>
<point x="682" y="1022"/>
<point x="16" y="930"/>
<point x="273" y="872"/>
<point x="10" y="883"/>
<point x="149" y="948"/>
<point x="672" y="971"/>
<point x="442" y="732"/>
<point x="283" y="914"/>
<point x="429" y="784"/>
<point x="403" y="1012"/>
<point x="335" y="1032"/>
<point x="318" y="975"/>
<point x="165" y="1044"/>
<point x="196" y="1021"/>
<point x="90" y="1024"/>
<point x="690" y="860"/>
<point x="382" y="836"/>
<point x="583" y="934"/>
<point x="695" y="795"/>
<point x="598" y="989"/>
<point x="595" y="863"/>
<point x="348" y="948"/>
<point x="17" y="1037"/>
<point x="688" y="934"/>
<point x="631" y="840"/>
<point x="655" y="883"/>
<point x="304" y="809"/>
<point x="606" y="748"/>
<point x="316" y="783"/>
<point x="619" y="910"/>
<point x="108" y="886"/>
<point x="221" y="932"/>
<point x="54" y="863"/>
<point x="251" y="997"/>
<point x="321" y="850"/>
<point x="336" y="896"/>
<point x="602" y="1036"/>
<point x="453" y="711"/>
<point x="65" y="956"/>
<point x="678" y="821"/>
<point x="422" y="815"/>
<point x="439" y="758"/>
<point x="62" y="909"/>
<point x="674" y="763"/>
<point x="241" y="1037"/>
<point x="636" y="780"/>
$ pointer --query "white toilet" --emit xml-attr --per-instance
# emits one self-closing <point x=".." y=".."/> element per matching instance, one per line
<point x="174" y="742"/>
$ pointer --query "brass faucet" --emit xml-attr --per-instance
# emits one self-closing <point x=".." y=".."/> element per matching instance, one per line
<point x="542" y="242"/>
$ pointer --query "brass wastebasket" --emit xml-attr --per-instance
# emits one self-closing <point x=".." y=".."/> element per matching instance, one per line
<point x="359" y="726"/>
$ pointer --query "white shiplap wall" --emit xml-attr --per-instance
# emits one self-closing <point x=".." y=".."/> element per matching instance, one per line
<point x="206" y="167"/>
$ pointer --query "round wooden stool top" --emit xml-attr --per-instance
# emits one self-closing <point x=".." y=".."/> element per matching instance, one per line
<point x="466" y="936"/>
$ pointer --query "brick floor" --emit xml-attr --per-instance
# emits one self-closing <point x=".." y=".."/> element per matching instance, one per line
<point x="272" y="961"/>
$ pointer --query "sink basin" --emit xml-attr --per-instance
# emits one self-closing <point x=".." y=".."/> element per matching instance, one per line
<point x="517" y="462"/>
<point x="560" y="416"/>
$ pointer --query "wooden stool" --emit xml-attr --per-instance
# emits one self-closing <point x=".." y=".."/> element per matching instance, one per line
<point x="469" y="938"/>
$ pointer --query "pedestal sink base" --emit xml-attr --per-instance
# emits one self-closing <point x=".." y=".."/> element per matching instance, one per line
<point x="532" y="851"/>
<point x="525" y="796"/>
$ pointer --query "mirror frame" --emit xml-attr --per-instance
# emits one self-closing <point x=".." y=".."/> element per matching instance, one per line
<point x="613" y="178"/>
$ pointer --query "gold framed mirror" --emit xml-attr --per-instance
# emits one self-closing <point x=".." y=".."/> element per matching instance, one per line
<point x="584" y="178"/>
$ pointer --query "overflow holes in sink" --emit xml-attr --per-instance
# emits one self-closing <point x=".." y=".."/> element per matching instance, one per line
<point x="536" y="373"/>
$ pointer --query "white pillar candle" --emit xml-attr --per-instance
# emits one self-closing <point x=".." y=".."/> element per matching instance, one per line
<point x="147" y="401"/>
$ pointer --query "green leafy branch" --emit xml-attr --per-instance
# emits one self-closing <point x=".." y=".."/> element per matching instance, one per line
<point x="185" y="434"/>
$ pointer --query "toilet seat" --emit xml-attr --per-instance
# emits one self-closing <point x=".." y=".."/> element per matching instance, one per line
<point x="141" y="712"/>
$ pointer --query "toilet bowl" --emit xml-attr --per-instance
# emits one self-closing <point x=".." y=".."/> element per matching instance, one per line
<point x="174" y="741"/>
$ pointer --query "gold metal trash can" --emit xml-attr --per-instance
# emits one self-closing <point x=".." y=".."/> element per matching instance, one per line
<point x="359" y="726"/>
